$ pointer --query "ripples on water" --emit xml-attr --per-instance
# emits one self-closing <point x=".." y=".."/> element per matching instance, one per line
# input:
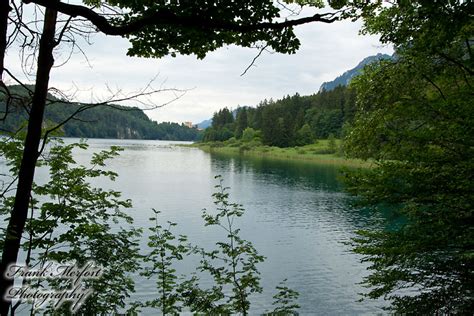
<point x="296" y="216"/>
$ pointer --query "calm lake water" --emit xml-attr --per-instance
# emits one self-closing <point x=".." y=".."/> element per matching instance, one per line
<point x="296" y="215"/>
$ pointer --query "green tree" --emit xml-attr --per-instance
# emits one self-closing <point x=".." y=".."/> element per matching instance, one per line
<point x="415" y="117"/>
<point x="304" y="135"/>
<point x="249" y="134"/>
<point x="235" y="261"/>
<point x="275" y="129"/>
<point x="332" y="147"/>
<point x="241" y="122"/>
<point x="71" y="221"/>
<point x="232" y="267"/>
<point x="166" y="249"/>
<point x="222" y="118"/>
<point x="222" y="126"/>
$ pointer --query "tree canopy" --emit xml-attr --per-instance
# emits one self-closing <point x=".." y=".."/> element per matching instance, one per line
<point x="415" y="118"/>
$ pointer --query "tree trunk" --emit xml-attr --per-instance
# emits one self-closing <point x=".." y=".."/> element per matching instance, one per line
<point x="4" y="10"/>
<point x="30" y="155"/>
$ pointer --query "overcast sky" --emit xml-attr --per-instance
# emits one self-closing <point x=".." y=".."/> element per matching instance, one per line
<point x="327" y="50"/>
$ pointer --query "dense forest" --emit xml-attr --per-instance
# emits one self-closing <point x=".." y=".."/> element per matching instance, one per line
<point x="292" y="121"/>
<point x="101" y="121"/>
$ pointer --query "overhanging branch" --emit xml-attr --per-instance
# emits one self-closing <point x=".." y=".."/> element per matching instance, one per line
<point x="164" y="17"/>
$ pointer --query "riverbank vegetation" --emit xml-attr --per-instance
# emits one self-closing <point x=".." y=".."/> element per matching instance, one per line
<point x="324" y="151"/>
<point x="296" y="127"/>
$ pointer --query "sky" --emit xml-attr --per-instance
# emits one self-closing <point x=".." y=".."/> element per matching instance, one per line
<point x="205" y="86"/>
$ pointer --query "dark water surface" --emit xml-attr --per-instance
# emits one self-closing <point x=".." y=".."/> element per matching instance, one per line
<point x="296" y="215"/>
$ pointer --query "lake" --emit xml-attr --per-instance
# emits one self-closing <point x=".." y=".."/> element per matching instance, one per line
<point x="297" y="215"/>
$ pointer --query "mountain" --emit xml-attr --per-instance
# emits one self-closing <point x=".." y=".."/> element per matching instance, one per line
<point x="103" y="121"/>
<point x="345" y="78"/>
<point x="204" y="124"/>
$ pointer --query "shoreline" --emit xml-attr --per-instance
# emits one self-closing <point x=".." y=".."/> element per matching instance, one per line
<point x="303" y="153"/>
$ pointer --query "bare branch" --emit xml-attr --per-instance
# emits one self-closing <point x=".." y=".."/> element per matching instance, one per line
<point x="115" y="98"/>
<point x="254" y="59"/>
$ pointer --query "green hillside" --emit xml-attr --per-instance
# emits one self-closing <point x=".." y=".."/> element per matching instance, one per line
<point x="103" y="121"/>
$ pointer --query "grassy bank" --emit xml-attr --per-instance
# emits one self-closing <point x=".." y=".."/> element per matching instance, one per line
<point x="322" y="152"/>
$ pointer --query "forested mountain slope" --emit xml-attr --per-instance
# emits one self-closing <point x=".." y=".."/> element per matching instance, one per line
<point x="102" y="121"/>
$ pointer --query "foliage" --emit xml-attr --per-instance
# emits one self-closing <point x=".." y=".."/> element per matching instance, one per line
<point x="234" y="262"/>
<point x="71" y="221"/>
<point x="217" y="134"/>
<point x="221" y="23"/>
<point x="249" y="134"/>
<point x="222" y="126"/>
<point x="166" y="248"/>
<point x="415" y="116"/>
<point x="241" y="122"/>
<point x="222" y="118"/>
<point x="332" y="143"/>
<point x="285" y="300"/>
<point x="304" y="135"/>
<point x="232" y="267"/>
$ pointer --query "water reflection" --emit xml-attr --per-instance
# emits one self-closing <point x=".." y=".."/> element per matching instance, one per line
<point x="299" y="218"/>
<point x="296" y="215"/>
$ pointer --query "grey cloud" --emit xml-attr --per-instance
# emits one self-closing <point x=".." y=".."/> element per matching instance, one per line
<point x="326" y="52"/>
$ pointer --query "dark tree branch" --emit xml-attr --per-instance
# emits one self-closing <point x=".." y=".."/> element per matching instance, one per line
<point x="4" y="11"/>
<point x="166" y="17"/>
<point x="8" y="98"/>
<point x="61" y="34"/>
<point x="435" y="86"/>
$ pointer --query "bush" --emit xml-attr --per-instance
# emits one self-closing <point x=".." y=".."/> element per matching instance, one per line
<point x="248" y="134"/>
<point x="304" y="136"/>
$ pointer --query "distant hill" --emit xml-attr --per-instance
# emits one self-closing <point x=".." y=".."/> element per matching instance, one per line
<point x="346" y="77"/>
<point x="204" y="124"/>
<point x="98" y="122"/>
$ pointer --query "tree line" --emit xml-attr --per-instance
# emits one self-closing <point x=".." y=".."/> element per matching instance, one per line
<point x="292" y="121"/>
